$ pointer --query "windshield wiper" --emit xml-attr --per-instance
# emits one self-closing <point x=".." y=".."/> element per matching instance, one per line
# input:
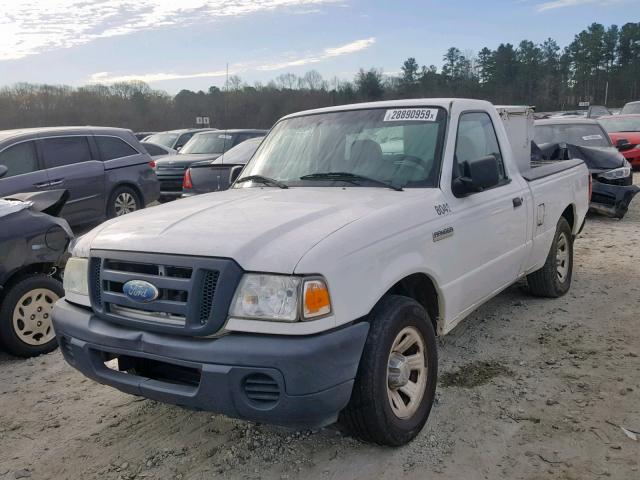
<point x="262" y="179"/>
<point x="349" y="177"/>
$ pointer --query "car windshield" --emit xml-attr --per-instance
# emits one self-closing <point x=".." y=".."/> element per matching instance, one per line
<point x="372" y="147"/>
<point x="210" y="142"/>
<point x="583" y="135"/>
<point x="164" y="139"/>
<point x="613" y="125"/>
<point x="240" y="154"/>
<point x="631" y="108"/>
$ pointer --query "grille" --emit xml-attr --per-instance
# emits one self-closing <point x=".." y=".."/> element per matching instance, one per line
<point x="208" y="291"/>
<point x="193" y="293"/>
<point x="261" y="389"/>
<point x="94" y="279"/>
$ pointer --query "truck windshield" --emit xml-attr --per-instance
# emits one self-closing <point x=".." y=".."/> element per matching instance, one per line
<point x="396" y="146"/>
<point x="581" y="134"/>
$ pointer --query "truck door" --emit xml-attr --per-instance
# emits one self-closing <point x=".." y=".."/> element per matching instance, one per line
<point x="489" y="227"/>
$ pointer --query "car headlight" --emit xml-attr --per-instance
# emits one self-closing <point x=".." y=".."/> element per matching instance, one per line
<point x="280" y="298"/>
<point x="622" y="172"/>
<point x="76" y="280"/>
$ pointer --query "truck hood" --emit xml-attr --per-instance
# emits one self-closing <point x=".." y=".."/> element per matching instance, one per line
<point x="262" y="229"/>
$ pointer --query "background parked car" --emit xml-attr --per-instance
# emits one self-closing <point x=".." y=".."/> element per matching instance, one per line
<point x="33" y="244"/>
<point x="219" y="174"/>
<point x="156" y="151"/>
<point x="203" y="146"/>
<point x="562" y="139"/>
<point x="105" y="170"/>
<point x="175" y="139"/>
<point x="630" y="108"/>
<point x="142" y="135"/>
<point x="624" y="131"/>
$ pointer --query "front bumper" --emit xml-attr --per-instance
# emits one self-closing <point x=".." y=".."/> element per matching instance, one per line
<point x="300" y="382"/>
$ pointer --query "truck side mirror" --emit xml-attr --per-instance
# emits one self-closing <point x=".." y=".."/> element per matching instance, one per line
<point x="3" y="170"/>
<point x="479" y="175"/>
<point x="623" y="145"/>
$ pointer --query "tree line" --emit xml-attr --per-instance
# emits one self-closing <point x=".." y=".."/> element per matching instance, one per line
<point x="601" y="65"/>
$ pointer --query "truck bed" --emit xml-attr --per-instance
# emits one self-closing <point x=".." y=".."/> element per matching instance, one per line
<point x="541" y="169"/>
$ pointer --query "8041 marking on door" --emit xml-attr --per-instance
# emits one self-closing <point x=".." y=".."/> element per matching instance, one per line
<point x="442" y="209"/>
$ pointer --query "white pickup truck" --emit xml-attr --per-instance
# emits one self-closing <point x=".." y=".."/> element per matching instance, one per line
<point x="314" y="288"/>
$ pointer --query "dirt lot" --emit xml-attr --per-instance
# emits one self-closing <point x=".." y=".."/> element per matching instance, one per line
<point x="529" y="388"/>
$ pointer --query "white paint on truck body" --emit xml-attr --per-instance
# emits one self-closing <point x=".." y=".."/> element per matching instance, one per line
<point x="364" y="240"/>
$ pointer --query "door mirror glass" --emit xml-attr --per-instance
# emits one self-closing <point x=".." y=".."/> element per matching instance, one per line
<point x="623" y="144"/>
<point x="3" y="170"/>
<point x="478" y="175"/>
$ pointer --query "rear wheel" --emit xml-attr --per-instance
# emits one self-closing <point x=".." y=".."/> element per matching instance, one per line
<point x="396" y="382"/>
<point x="26" y="329"/>
<point x="554" y="278"/>
<point x="123" y="200"/>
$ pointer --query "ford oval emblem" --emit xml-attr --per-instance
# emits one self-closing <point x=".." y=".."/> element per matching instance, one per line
<point x="140" y="291"/>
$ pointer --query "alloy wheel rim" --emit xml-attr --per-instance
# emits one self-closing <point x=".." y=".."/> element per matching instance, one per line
<point x="125" y="203"/>
<point x="562" y="257"/>
<point x="32" y="317"/>
<point x="407" y="373"/>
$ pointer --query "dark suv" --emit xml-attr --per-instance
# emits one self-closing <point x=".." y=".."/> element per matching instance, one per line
<point x="105" y="170"/>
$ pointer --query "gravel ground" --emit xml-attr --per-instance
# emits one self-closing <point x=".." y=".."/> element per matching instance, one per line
<point x="529" y="389"/>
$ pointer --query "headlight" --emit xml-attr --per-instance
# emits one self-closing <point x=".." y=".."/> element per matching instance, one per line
<point x="622" y="172"/>
<point x="76" y="281"/>
<point x="278" y="298"/>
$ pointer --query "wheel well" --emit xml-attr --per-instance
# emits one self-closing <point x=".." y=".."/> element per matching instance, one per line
<point x="421" y="288"/>
<point x="132" y="186"/>
<point x="569" y="216"/>
<point x="25" y="271"/>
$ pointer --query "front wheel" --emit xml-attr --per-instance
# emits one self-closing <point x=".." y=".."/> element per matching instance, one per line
<point x="554" y="278"/>
<point x="26" y="329"/>
<point x="396" y="382"/>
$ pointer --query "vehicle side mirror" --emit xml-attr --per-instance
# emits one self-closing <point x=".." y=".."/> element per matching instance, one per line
<point x="478" y="175"/>
<point x="235" y="173"/>
<point x="623" y="145"/>
<point x="3" y="170"/>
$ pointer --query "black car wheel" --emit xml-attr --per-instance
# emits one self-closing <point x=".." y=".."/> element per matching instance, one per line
<point x="123" y="200"/>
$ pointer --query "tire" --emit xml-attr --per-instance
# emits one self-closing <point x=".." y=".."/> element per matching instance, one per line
<point x="554" y="279"/>
<point x="25" y="316"/>
<point x="123" y="200"/>
<point x="372" y="413"/>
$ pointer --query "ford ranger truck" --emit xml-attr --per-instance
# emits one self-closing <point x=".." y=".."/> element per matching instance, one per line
<point x="313" y="290"/>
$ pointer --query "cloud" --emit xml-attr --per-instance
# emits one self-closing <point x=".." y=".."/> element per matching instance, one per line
<point x="552" y="5"/>
<point x="326" y="54"/>
<point x="29" y="27"/>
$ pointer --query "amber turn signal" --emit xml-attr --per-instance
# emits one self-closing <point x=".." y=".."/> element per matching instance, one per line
<point x="316" y="299"/>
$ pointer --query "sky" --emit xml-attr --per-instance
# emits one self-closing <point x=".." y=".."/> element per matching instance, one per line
<point x="176" y="44"/>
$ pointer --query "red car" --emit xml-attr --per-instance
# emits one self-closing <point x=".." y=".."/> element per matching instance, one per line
<point x="624" y="131"/>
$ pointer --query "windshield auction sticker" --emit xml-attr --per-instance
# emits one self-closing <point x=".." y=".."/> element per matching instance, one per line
<point x="415" y="114"/>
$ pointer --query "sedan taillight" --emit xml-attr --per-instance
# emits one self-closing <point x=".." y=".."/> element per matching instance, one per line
<point x="186" y="181"/>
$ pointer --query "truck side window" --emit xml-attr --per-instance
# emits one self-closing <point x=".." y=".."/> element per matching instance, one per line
<point x="476" y="139"/>
<point x="19" y="159"/>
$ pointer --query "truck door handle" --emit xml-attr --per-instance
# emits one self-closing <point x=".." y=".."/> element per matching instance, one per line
<point x="41" y="185"/>
<point x="517" y="202"/>
<point x="55" y="182"/>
